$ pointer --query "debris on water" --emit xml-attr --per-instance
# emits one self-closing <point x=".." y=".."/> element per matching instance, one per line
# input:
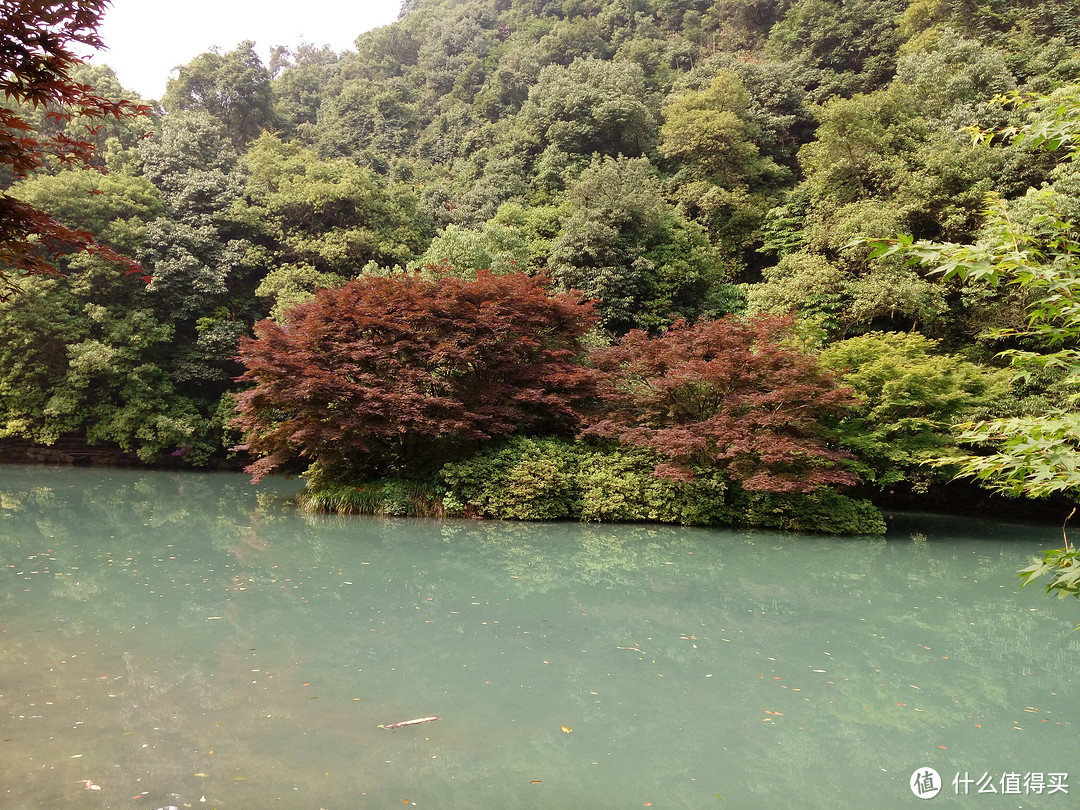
<point x="403" y="723"/>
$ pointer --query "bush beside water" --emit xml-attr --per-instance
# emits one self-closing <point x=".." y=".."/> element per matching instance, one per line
<point x="550" y="479"/>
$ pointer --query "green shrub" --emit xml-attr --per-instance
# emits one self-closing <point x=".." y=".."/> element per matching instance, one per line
<point x="548" y="479"/>
<point x="620" y="485"/>
<point x="523" y="479"/>
<point x="911" y="395"/>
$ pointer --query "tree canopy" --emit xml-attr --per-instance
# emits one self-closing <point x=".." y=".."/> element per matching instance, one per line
<point x="37" y="66"/>
<point x="400" y="374"/>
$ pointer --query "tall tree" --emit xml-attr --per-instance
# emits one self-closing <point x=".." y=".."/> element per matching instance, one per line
<point x="591" y="106"/>
<point x="233" y="87"/>
<point x="624" y="245"/>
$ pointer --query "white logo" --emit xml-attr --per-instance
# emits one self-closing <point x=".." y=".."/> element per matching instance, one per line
<point x="925" y="783"/>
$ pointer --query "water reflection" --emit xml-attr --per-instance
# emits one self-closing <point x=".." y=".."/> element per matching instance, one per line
<point x="189" y="636"/>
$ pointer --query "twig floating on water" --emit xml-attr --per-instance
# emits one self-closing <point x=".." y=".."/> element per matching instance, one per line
<point x="403" y="723"/>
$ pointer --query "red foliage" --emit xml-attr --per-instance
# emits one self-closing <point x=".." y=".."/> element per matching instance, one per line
<point x="36" y="61"/>
<point x="725" y="393"/>
<point x="392" y="375"/>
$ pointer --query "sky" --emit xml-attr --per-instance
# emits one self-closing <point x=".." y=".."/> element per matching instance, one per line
<point x="146" y="39"/>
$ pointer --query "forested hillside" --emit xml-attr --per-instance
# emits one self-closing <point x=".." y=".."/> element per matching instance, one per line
<point x="673" y="161"/>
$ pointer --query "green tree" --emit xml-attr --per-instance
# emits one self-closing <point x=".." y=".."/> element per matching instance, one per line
<point x="623" y="244"/>
<point x="322" y="221"/>
<point x="451" y="58"/>
<point x="114" y="207"/>
<point x="844" y="47"/>
<point x="234" y="87"/>
<point x="723" y="180"/>
<point x="591" y="106"/>
<point x="496" y="247"/>
<point x="205" y="266"/>
<point x="379" y="116"/>
<point x="912" y="394"/>
<point x="709" y="131"/>
<point x="300" y="79"/>
<point x="90" y="355"/>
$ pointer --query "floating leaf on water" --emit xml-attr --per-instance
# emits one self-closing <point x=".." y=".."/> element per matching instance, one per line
<point x="203" y="775"/>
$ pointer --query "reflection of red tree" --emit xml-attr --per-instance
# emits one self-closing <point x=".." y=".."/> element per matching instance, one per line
<point x="729" y="393"/>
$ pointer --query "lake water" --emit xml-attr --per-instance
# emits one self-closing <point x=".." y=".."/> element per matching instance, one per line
<point x="189" y="639"/>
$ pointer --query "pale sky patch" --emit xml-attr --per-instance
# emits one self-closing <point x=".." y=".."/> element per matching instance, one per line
<point x="146" y="39"/>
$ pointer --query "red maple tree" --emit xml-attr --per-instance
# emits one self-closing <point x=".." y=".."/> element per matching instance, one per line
<point x="396" y="375"/>
<point x="36" y="62"/>
<point x="728" y="393"/>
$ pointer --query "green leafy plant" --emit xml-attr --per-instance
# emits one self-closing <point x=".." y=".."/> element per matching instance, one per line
<point x="912" y="393"/>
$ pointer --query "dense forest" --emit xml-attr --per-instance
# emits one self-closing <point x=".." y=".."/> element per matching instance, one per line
<point x="565" y="258"/>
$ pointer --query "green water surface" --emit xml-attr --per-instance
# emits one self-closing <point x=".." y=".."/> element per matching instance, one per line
<point x="189" y="639"/>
